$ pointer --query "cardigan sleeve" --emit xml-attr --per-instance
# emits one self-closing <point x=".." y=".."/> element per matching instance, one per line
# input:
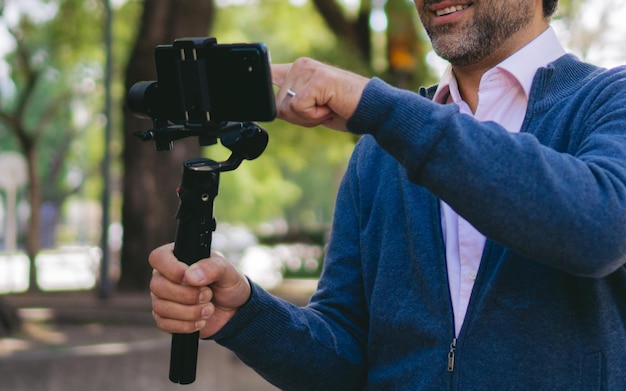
<point x="555" y="192"/>
<point x="320" y="346"/>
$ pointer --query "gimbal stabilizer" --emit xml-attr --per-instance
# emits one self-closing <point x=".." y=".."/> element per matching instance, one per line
<point x="179" y="107"/>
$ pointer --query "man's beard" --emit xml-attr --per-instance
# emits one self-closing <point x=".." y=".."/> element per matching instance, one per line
<point x="483" y="35"/>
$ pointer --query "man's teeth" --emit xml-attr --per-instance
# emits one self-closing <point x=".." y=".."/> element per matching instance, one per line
<point x="452" y="9"/>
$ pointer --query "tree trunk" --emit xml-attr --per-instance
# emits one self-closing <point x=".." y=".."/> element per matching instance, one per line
<point x="33" y="242"/>
<point x="151" y="177"/>
<point x="356" y="33"/>
<point x="10" y="322"/>
<point x="28" y="143"/>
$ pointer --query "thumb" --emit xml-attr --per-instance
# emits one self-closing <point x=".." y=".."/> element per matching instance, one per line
<point x="214" y="270"/>
<point x="195" y="276"/>
<point x="230" y="287"/>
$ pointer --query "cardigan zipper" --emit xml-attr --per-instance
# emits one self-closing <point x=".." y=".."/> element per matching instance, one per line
<point x="453" y="345"/>
<point x="451" y="355"/>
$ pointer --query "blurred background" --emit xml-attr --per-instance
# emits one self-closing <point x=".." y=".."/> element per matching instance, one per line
<point x="83" y="202"/>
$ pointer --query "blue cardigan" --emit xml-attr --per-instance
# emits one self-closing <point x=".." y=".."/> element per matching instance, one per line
<point x="548" y="310"/>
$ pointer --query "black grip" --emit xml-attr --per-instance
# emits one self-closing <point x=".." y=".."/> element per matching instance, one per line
<point x="184" y="357"/>
<point x="196" y="224"/>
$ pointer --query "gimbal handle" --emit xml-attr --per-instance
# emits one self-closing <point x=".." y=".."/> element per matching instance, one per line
<point x="197" y="192"/>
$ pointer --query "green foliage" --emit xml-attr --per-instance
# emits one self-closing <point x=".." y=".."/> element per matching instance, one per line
<point x="56" y="74"/>
<point x="279" y="24"/>
<point x="568" y="8"/>
<point x="290" y="31"/>
<point x="65" y="107"/>
<point x="73" y="34"/>
<point x="296" y="177"/>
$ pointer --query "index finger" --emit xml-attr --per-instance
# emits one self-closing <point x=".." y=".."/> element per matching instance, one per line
<point x="279" y="73"/>
<point x="162" y="259"/>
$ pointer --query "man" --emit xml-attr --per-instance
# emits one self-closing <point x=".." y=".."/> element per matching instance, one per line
<point x="479" y="239"/>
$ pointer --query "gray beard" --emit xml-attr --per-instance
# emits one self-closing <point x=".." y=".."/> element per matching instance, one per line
<point x="478" y="40"/>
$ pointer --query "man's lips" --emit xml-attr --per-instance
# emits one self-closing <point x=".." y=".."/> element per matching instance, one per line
<point x="451" y="9"/>
<point x="448" y="11"/>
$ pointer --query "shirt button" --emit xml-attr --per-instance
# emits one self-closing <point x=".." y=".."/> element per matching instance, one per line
<point x="472" y="275"/>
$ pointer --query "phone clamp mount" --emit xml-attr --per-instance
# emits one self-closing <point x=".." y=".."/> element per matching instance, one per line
<point x="157" y="100"/>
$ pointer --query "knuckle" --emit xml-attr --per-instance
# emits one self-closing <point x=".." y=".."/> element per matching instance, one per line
<point x="154" y="283"/>
<point x="157" y="308"/>
<point x="188" y="295"/>
<point x="184" y="327"/>
<point x="280" y="111"/>
<point x="174" y="326"/>
<point x="160" y="322"/>
<point x="303" y="62"/>
<point x="154" y="255"/>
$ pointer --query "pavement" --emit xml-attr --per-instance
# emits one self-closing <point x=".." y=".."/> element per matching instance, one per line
<point x="74" y="341"/>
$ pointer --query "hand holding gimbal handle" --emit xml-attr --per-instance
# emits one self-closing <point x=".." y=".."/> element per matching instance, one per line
<point x="197" y="192"/>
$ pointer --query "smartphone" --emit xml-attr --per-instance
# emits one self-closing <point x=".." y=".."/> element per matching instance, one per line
<point x="200" y="80"/>
<point x="240" y="83"/>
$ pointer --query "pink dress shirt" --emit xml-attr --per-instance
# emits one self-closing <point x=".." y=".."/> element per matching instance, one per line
<point x="503" y="98"/>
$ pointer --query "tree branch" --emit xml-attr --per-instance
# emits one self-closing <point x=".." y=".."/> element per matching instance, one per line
<point x="355" y="33"/>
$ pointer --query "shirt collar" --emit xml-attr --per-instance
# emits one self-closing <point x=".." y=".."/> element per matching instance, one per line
<point x="522" y="65"/>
